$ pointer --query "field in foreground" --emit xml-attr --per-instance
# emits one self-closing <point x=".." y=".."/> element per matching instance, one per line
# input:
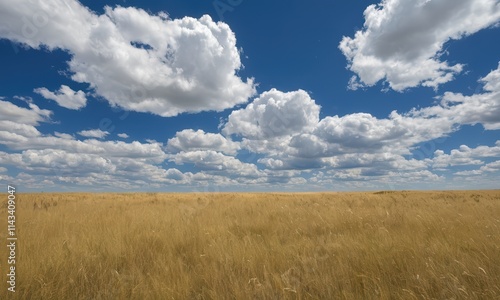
<point x="381" y="245"/>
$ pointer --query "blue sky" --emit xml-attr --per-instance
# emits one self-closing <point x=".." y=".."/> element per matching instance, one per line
<point x="249" y="95"/>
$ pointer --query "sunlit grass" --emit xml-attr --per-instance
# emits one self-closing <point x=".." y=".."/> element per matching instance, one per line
<point x="391" y="245"/>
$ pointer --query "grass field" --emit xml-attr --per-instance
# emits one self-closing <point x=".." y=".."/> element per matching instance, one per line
<point x="380" y="245"/>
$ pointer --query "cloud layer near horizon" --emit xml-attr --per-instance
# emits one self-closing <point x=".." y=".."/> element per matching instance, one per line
<point x="282" y="135"/>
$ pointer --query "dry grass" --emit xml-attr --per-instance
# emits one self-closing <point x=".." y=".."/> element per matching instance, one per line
<point x="386" y="245"/>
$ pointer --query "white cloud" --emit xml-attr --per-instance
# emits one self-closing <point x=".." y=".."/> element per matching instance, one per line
<point x="464" y="155"/>
<point x="63" y="160"/>
<point x="283" y="177"/>
<point x="29" y="116"/>
<point x="271" y="146"/>
<point x="482" y="108"/>
<point x="311" y="145"/>
<point x="123" y="135"/>
<point x="65" y="97"/>
<point x="93" y="133"/>
<point x="13" y="128"/>
<point x="190" y="140"/>
<point x="360" y="131"/>
<point x="149" y="151"/>
<point x="456" y="158"/>
<point x="291" y="163"/>
<point x="19" y="136"/>
<point x="52" y="160"/>
<point x="402" y="41"/>
<point x="92" y="169"/>
<point x="366" y="179"/>
<point x="493" y="167"/>
<point x="383" y="162"/>
<point x="285" y="127"/>
<point x="217" y="162"/>
<point x="274" y="114"/>
<point x="135" y="60"/>
<point x="64" y="135"/>
<point x="17" y="123"/>
<point x="468" y="173"/>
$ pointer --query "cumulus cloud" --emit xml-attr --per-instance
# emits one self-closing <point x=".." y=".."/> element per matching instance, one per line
<point x="20" y="141"/>
<point x="362" y="135"/>
<point x="17" y="124"/>
<point x="135" y="60"/>
<point x="285" y="127"/>
<point x="480" y="108"/>
<point x="291" y="163"/>
<point x="91" y="169"/>
<point x="383" y="162"/>
<point x="63" y="160"/>
<point x="363" y="179"/>
<point x="9" y="128"/>
<point x="360" y="130"/>
<point x="93" y="133"/>
<point x="190" y="140"/>
<point x="54" y="160"/>
<point x="32" y="115"/>
<point x="274" y="114"/>
<point x="491" y="167"/>
<point x="402" y="41"/>
<point x="459" y="157"/>
<point x="123" y="135"/>
<point x="216" y="162"/>
<point x="17" y="136"/>
<point x="65" y="97"/>
<point x="64" y="135"/>
<point x="286" y="132"/>
<point x="365" y="134"/>
<point x="464" y="155"/>
<point x="487" y="168"/>
<point x="352" y="149"/>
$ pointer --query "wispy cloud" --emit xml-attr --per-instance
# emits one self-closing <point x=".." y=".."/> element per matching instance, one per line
<point x="94" y="133"/>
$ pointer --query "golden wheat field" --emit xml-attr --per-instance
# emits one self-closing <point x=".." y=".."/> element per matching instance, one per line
<point x="367" y="245"/>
